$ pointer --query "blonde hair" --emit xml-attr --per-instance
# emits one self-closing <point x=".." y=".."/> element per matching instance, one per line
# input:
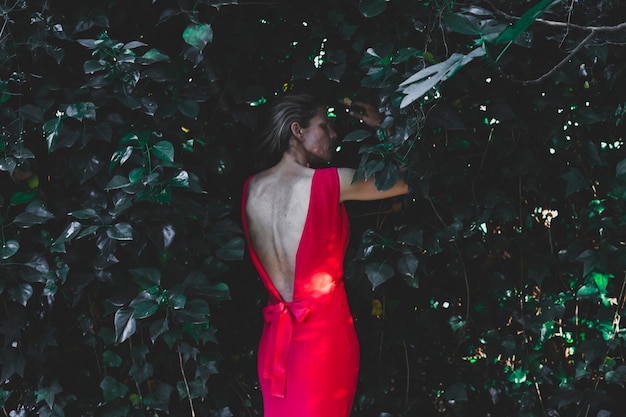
<point x="276" y="131"/>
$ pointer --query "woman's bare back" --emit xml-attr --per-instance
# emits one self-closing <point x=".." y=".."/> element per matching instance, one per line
<point x="277" y="207"/>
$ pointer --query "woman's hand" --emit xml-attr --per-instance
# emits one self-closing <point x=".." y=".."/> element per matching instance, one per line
<point x="366" y="112"/>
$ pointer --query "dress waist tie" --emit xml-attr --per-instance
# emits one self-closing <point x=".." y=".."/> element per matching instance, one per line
<point x="280" y="316"/>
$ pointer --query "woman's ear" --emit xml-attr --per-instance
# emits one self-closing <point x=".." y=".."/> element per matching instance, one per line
<point x="296" y="130"/>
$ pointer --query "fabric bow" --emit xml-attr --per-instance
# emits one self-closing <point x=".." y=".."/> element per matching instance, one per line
<point x="280" y="317"/>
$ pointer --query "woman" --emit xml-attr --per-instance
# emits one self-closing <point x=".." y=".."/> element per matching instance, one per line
<point x="297" y="231"/>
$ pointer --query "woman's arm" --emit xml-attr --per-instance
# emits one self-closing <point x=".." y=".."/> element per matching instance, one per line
<point x="365" y="189"/>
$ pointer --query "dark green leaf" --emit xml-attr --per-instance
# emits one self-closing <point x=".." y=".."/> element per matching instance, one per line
<point x="177" y="301"/>
<point x="22" y="198"/>
<point x="125" y="324"/>
<point x="195" y="311"/>
<point x="146" y="277"/>
<point x="387" y="177"/>
<point x="8" y="164"/>
<point x="198" y="35"/>
<point x="9" y="248"/>
<point x="32" y="113"/>
<point x="159" y="399"/>
<point x="21" y="293"/>
<point x="13" y="363"/>
<point x="112" y="389"/>
<point x="90" y="67"/>
<point x="70" y="231"/>
<point x="181" y="179"/>
<point x="407" y="265"/>
<point x="157" y="328"/>
<point x="120" y="231"/>
<point x="371" y="8"/>
<point x="80" y="111"/>
<point x="378" y="273"/>
<point x="232" y="250"/>
<point x="152" y="56"/>
<point x="111" y="359"/>
<point x="575" y="181"/>
<point x="189" y="108"/>
<point x="357" y="135"/>
<point x="164" y="150"/>
<point x="140" y="372"/>
<point x="51" y="130"/>
<point x="145" y="309"/>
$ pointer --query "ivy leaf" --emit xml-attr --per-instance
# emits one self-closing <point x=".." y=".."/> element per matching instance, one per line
<point x="387" y="177"/>
<point x="91" y="67"/>
<point x="378" y="273"/>
<point x="22" y="198"/>
<point x="9" y="248"/>
<point x="35" y="213"/>
<point x="601" y="280"/>
<point x="407" y="265"/>
<point x="195" y="311"/>
<point x="189" y="108"/>
<point x="112" y="389"/>
<point x="120" y="231"/>
<point x="117" y="182"/>
<point x="80" y="111"/>
<point x="198" y="35"/>
<point x="145" y="309"/>
<point x="617" y="376"/>
<point x="157" y="328"/>
<point x="70" y="231"/>
<point x="48" y="394"/>
<point x="575" y="181"/>
<point x="51" y="130"/>
<point x="357" y="136"/>
<point x="181" y="179"/>
<point x="8" y="164"/>
<point x="152" y="56"/>
<point x="232" y="250"/>
<point x="371" y="8"/>
<point x="177" y="301"/>
<point x="146" y="277"/>
<point x="111" y="359"/>
<point x="198" y="283"/>
<point x="32" y="113"/>
<point x="125" y="324"/>
<point x="13" y="363"/>
<point x="140" y="372"/>
<point x="164" y="150"/>
<point x="21" y="293"/>
<point x="159" y="399"/>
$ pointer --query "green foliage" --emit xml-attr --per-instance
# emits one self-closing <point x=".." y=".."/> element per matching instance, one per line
<point x="127" y="131"/>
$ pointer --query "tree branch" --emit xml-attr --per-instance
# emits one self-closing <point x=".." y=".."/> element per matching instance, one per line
<point x="563" y="25"/>
<point x="560" y="64"/>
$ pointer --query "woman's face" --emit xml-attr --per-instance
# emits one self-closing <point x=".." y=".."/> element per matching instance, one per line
<point x="318" y="139"/>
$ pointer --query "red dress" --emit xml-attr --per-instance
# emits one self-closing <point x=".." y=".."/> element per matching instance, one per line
<point x="309" y="353"/>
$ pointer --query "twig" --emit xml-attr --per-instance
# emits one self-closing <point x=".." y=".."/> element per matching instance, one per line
<point x="182" y="371"/>
<point x="563" y="25"/>
<point x="408" y="371"/>
<point x="560" y="64"/>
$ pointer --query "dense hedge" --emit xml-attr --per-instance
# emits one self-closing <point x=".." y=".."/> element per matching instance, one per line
<point x="127" y="129"/>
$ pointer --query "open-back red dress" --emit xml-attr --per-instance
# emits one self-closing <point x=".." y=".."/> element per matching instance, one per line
<point x="309" y="354"/>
